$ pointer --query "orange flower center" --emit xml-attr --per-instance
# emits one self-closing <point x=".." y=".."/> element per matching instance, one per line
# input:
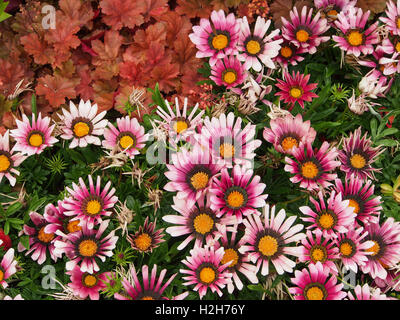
<point x="147" y="298"/>
<point x="230" y="255"/>
<point x="332" y="13"/>
<point x="199" y="180"/>
<point x="89" y="280"/>
<point x="93" y="207"/>
<point x="220" y="41"/>
<point x="4" y="163"/>
<point x="346" y="249"/>
<point x="203" y="223"/>
<point x="180" y="126"/>
<point x="207" y="275"/>
<point x="87" y="248"/>
<point x="227" y="150"/>
<point x="309" y="170"/>
<point x="398" y="22"/>
<point x="253" y="47"/>
<point x="288" y="143"/>
<point x="286" y="52"/>
<point x="354" y="204"/>
<point x="36" y="140"/>
<point x="1" y="275"/>
<point x="397" y="46"/>
<point x="126" y="142"/>
<point x="229" y="77"/>
<point x="296" y="92"/>
<point x="326" y="221"/>
<point x="375" y="248"/>
<point x="355" y="38"/>
<point x="81" y="129"/>
<point x="268" y="246"/>
<point x="358" y="161"/>
<point x="45" y="237"/>
<point x="318" y="254"/>
<point x="73" y="226"/>
<point x="315" y="293"/>
<point x="302" y="35"/>
<point x="235" y="199"/>
<point x="143" y="242"/>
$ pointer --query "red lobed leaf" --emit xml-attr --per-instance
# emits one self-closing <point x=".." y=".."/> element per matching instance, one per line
<point x="122" y="13"/>
<point x="56" y="89"/>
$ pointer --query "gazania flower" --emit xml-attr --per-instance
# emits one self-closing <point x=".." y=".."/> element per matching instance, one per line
<point x="381" y="65"/>
<point x="7" y="267"/>
<point x="357" y="156"/>
<point x="237" y="195"/>
<point x="355" y="39"/>
<point x="5" y="241"/>
<point x="319" y="250"/>
<point x="361" y="197"/>
<point x="352" y="248"/>
<point x="304" y="31"/>
<point x="312" y="168"/>
<point x="237" y="255"/>
<point x="129" y="136"/>
<point x="227" y="142"/>
<point x="206" y="271"/>
<point x="59" y="221"/>
<point x="178" y="123"/>
<point x="331" y="8"/>
<point x="295" y="88"/>
<point x="392" y="20"/>
<point x="17" y="297"/>
<point x="218" y="39"/>
<point x="33" y="138"/>
<point x="198" y="221"/>
<point x="257" y="48"/>
<point x="91" y="205"/>
<point x="152" y="288"/>
<point x="313" y="284"/>
<point x="332" y="218"/>
<point x="9" y="160"/>
<point x="385" y="250"/>
<point x="85" y="246"/>
<point x="228" y="72"/>
<point x="191" y="173"/>
<point x="84" y="284"/>
<point x="39" y="240"/>
<point x="366" y="293"/>
<point x="287" y="133"/>
<point x="390" y="45"/>
<point x="270" y="241"/>
<point x="83" y="125"/>
<point x="288" y="53"/>
<point x="147" y="237"/>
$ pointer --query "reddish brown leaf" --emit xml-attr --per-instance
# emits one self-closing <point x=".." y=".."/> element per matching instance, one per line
<point x="375" y="6"/>
<point x="84" y="89"/>
<point x="194" y="8"/>
<point x="166" y="75"/>
<point x="185" y="55"/>
<point x="104" y="95"/>
<point x="56" y="89"/>
<point x="10" y="75"/>
<point x="281" y="8"/>
<point x="110" y="48"/>
<point x="63" y="36"/>
<point x="78" y="13"/>
<point x="36" y="47"/>
<point x="122" y="13"/>
<point x="176" y="25"/>
<point x="155" y="8"/>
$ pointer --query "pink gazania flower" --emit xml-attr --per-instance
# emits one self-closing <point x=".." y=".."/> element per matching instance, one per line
<point x="319" y="250"/>
<point x="85" y="246"/>
<point x="361" y="198"/>
<point x="84" y="284"/>
<point x="390" y="45"/>
<point x="313" y="284"/>
<point x="257" y="48"/>
<point x="312" y="168"/>
<point x="304" y="31"/>
<point x="295" y="88"/>
<point x="237" y="256"/>
<point x="227" y="142"/>
<point x="365" y="293"/>
<point x="147" y="237"/>
<point x="9" y="160"/>
<point x="288" y="53"/>
<point x="237" y="195"/>
<point x="357" y="156"/>
<point x="33" y="138"/>
<point x="270" y="242"/>
<point x="217" y="40"/>
<point x="391" y="282"/>
<point x="59" y="221"/>
<point x="17" y="297"/>
<point x="39" y="240"/>
<point x="331" y="8"/>
<point x="385" y="250"/>
<point x="331" y="218"/>
<point x="206" y="271"/>
<point x="129" y="136"/>
<point x="352" y="248"/>
<point x="198" y="221"/>
<point x="152" y="288"/>
<point x="191" y="173"/>
<point x="179" y="125"/>
<point x="287" y="133"/>
<point x="355" y="39"/>
<point x="83" y="125"/>
<point x="381" y="64"/>
<point x="228" y="72"/>
<point x="7" y="267"/>
<point x="392" y="20"/>
<point x="89" y="206"/>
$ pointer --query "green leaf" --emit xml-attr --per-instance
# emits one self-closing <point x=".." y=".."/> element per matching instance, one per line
<point x="13" y="208"/>
<point x="387" y="143"/>
<point x="256" y="287"/>
<point x="25" y="241"/>
<point x="6" y="227"/>
<point x="374" y="126"/>
<point x="34" y="106"/>
<point x="388" y="132"/>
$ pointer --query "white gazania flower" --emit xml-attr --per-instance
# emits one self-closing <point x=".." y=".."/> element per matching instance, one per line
<point x="83" y="125"/>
